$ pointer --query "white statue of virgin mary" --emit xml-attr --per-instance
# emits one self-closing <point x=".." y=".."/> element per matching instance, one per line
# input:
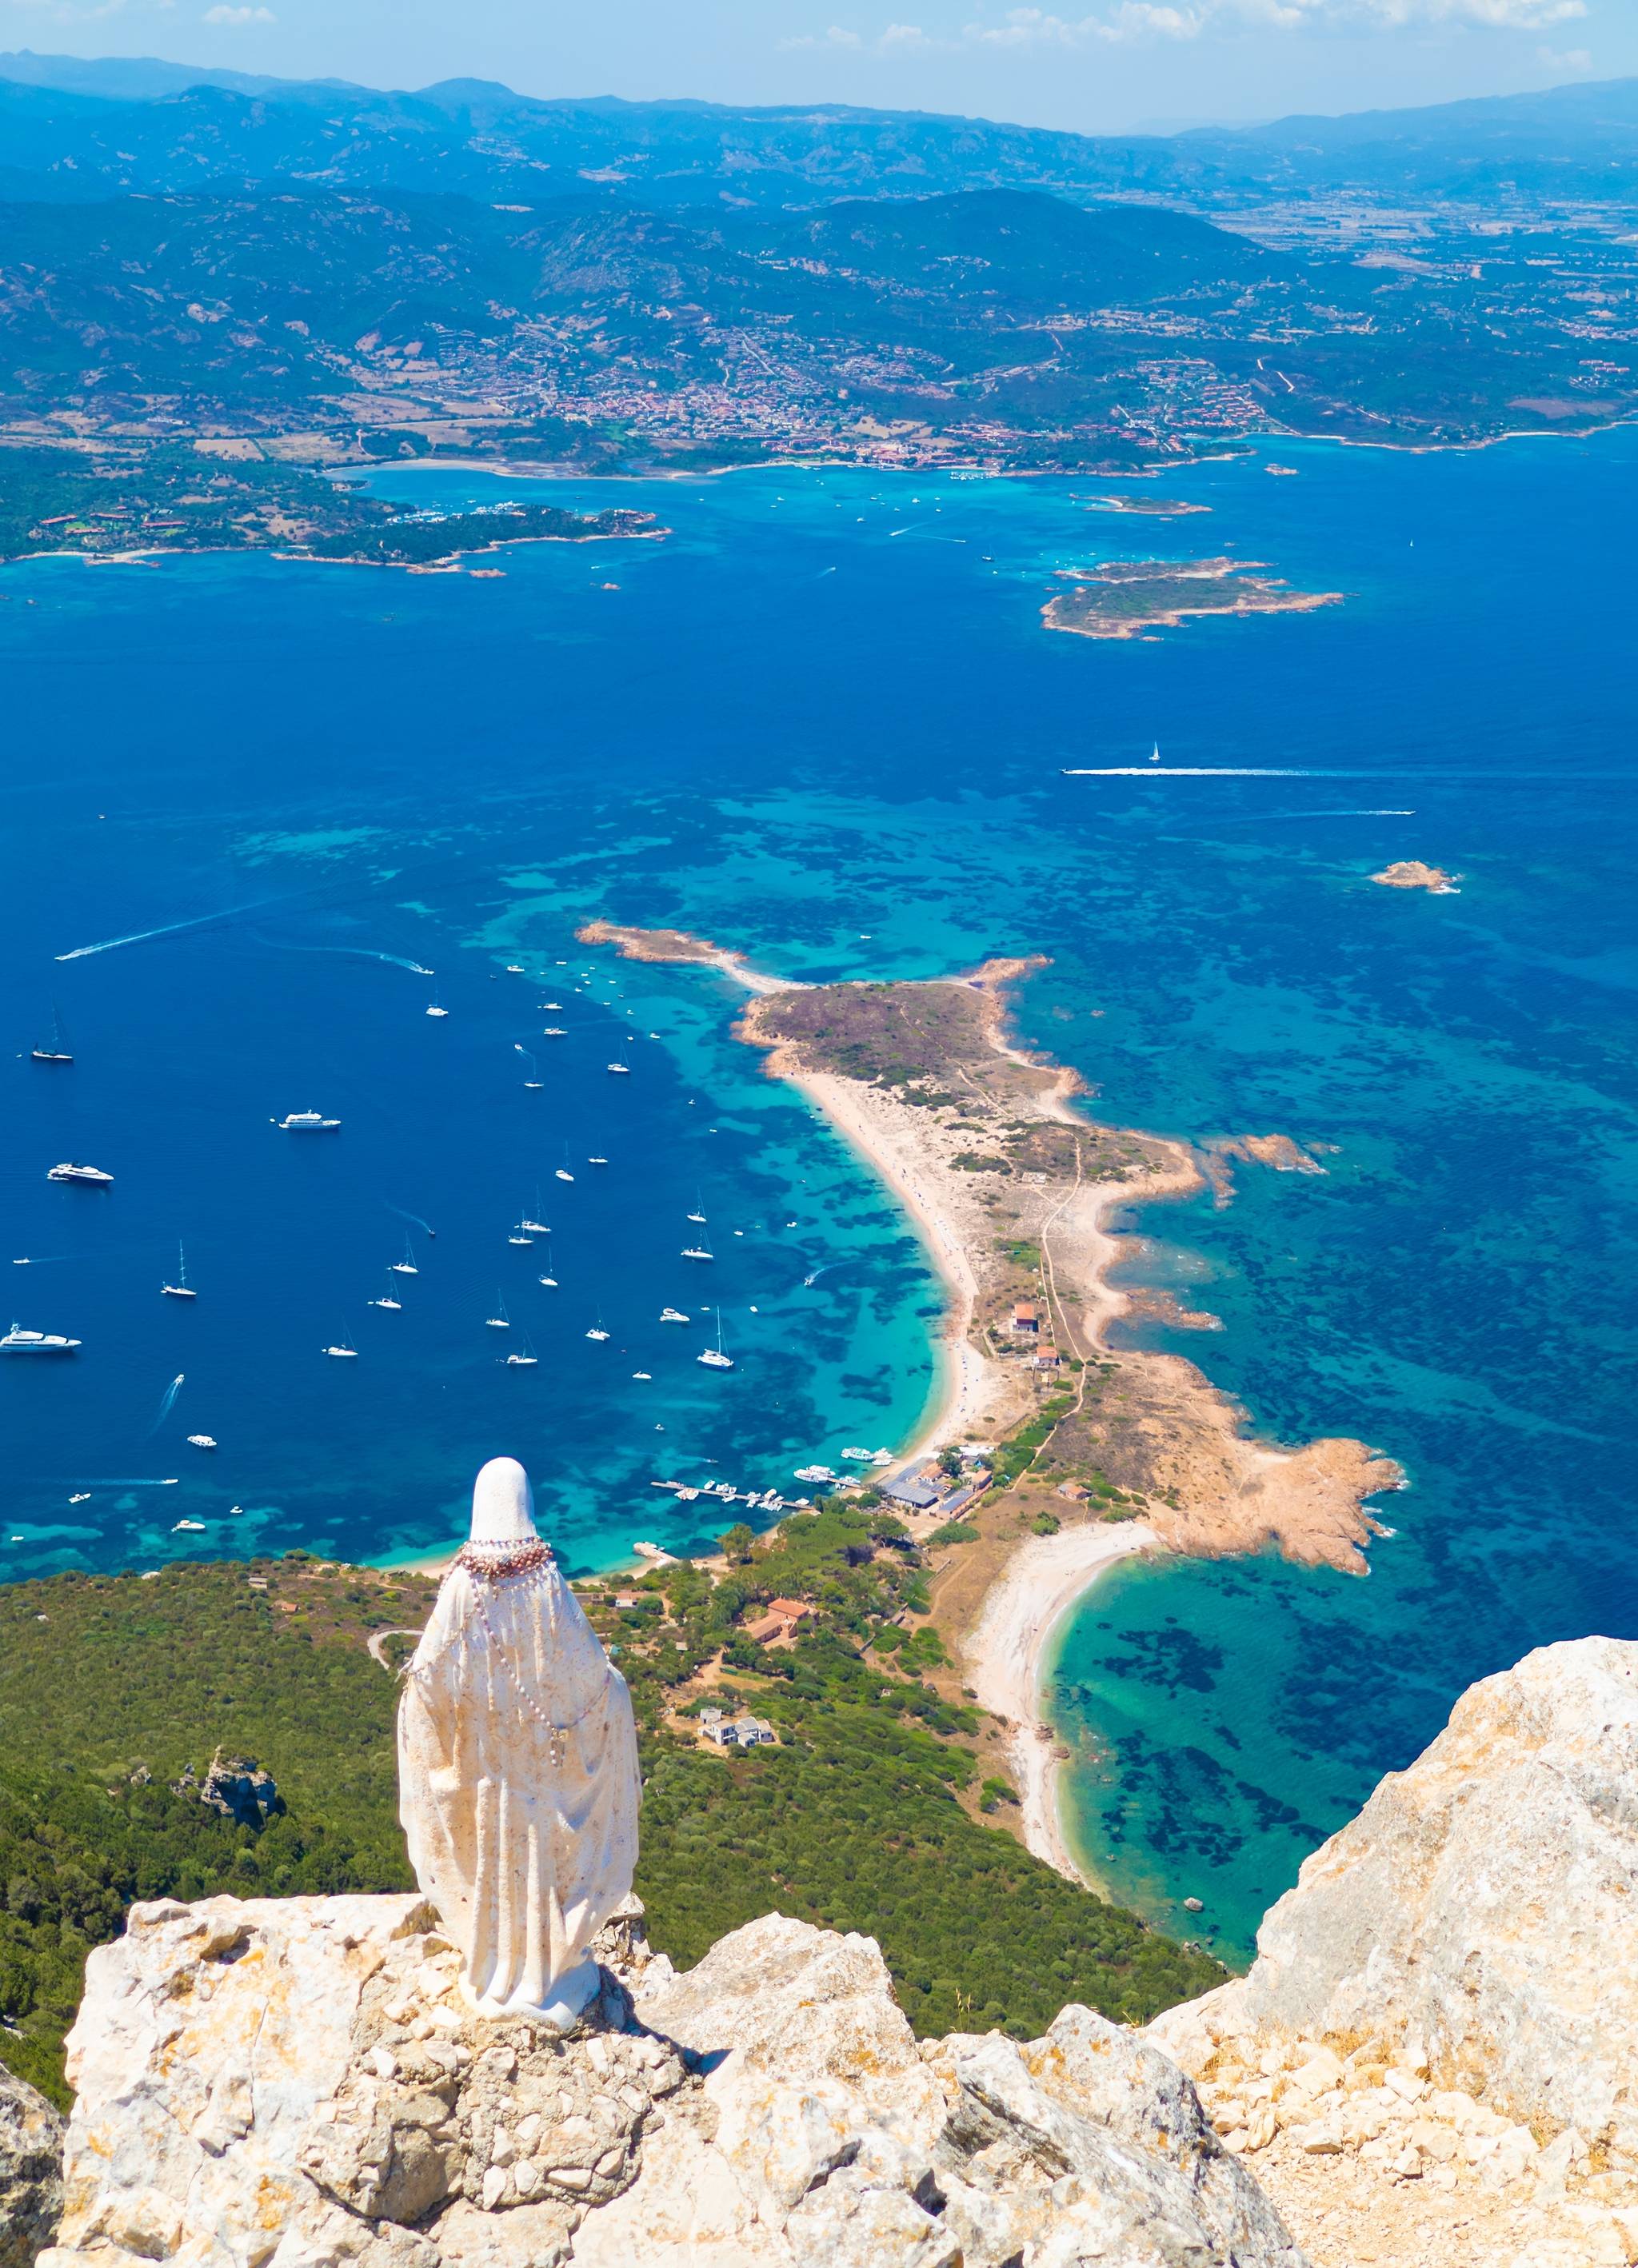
<point x="517" y="1765"/>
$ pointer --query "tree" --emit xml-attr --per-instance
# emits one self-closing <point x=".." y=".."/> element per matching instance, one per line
<point x="739" y="1544"/>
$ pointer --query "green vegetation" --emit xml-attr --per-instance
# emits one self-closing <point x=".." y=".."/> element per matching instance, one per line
<point x="858" y="1819"/>
<point x="171" y="497"/>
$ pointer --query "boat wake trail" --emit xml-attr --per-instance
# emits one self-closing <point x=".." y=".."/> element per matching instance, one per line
<point x="357" y="952"/>
<point x="167" y="1402"/>
<point x="1198" y="771"/>
<point x="818" y="1272"/>
<point x="168" y="929"/>
<point x="414" y="1218"/>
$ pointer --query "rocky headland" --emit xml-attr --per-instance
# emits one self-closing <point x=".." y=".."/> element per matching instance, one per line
<point x="1429" y="2066"/>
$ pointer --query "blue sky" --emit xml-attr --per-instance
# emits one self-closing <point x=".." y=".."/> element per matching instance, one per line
<point x="1093" y="65"/>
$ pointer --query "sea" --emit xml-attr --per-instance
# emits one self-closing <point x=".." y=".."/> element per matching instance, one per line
<point x="259" y="816"/>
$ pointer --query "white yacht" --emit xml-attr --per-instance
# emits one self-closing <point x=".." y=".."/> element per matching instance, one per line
<point x="435" y="1006"/>
<point x="597" y="1331"/>
<point x="387" y="1299"/>
<point x="642" y="1373"/>
<point x="518" y="1235"/>
<point x="181" y="1289"/>
<point x="713" y="1358"/>
<point x="93" y="1174"/>
<point x="406" y="1266"/>
<point x="202" y="1440"/>
<point x="307" y="1121"/>
<point x="672" y="1315"/>
<point x="816" y="1473"/>
<point x="58" y="1052"/>
<point x="555" y="1032"/>
<point x="343" y="1352"/>
<point x="17" y="1340"/>
<point x="188" y="1527"/>
<point x="516" y="969"/>
<point x="527" y="1360"/>
<point x="552" y="1003"/>
<point x="697" y="1252"/>
<point x="597" y="1162"/>
<point x="621" y="1071"/>
<point x="531" y="1226"/>
<point x="564" y="1175"/>
<point x="548" y="1279"/>
<point x="500" y="1320"/>
<point x="696" y="1215"/>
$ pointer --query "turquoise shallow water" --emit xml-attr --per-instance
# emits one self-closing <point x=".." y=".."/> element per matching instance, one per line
<point x="822" y="721"/>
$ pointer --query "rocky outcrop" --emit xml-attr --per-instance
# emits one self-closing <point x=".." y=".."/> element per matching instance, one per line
<point x="31" y="2171"/>
<point x="1449" y="1998"/>
<point x="299" y="2084"/>
<point x="234" y="1786"/>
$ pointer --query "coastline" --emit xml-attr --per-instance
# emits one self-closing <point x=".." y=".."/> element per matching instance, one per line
<point x="1044" y="1581"/>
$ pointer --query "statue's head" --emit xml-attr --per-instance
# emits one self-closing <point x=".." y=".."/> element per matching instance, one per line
<point x="502" y="1504"/>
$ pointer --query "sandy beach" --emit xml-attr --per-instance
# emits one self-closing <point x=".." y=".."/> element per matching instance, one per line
<point x="1044" y="1579"/>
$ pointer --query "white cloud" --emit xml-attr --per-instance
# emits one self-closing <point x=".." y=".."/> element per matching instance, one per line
<point x="1132" y="21"/>
<point x="1574" y="60"/>
<point x="223" y="15"/>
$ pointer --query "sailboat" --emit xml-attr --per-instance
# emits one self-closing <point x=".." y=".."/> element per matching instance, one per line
<point x="527" y="1358"/>
<point x="343" y="1352"/>
<point x="531" y="1223"/>
<point x="181" y="1289"/>
<point x="533" y="1080"/>
<point x="621" y="1071"/>
<point x="698" y="1212"/>
<point x="502" y="1321"/>
<point x="435" y="1006"/>
<point x="56" y="1053"/>
<point x="1154" y="759"/>
<point x="387" y="1298"/>
<point x="697" y="1252"/>
<point x="549" y="1280"/>
<point x="597" y="1331"/>
<point x="518" y="1235"/>
<point x="406" y="1266"/>
<point x="563" y="1173"/>
<point x="713" y="1358"/>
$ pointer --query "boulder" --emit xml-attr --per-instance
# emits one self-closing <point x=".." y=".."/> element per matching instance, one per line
<point x="30" y="2172"/>
<point x="300" y="2083"/>
<point x="1474" y="1925"/>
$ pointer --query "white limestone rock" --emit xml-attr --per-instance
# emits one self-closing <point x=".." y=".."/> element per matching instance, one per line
<point x="301" y="2083"/>
<point x="31" y="2171"/>
<point x="1476" y="1921"/>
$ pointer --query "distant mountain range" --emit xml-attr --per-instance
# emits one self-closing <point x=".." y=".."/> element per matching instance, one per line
<point x="72" y="130"/>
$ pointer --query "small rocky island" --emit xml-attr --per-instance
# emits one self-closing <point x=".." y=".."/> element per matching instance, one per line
<point x="1147" y="507"/>
<point x="1415" y="874"/>
<point x="1124" y="598"/>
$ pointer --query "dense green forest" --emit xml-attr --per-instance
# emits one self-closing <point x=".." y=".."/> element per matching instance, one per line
<point x="111" y="1686"/>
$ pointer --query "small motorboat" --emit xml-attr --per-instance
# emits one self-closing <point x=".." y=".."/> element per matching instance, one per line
<point x="564" y="1175"/>
<point x="202" y="1440"/>
<point x="189" y="1527"/>
<point x="93" y="1176"/>
<point x="672" y="1315"/>
<point x="642" y="1373"/>
<point x="307" y="1121"/>
<point x="621" y="1071"/>
<point x="550" y="1282"/>
<point x="554" y="1032"/>
<point x="82" y="1497"/>
<point x="516" y="969"/>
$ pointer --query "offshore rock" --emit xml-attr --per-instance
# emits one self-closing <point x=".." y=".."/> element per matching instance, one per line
<point x="1476" y="1922"/>
<point x="300" y="2083"/>
<point x="31" y="2171"/>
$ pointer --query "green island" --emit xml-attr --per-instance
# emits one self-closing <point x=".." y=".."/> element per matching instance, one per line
<point x="867" y="1810"/>
<point x="1125" y="597"/>
<point x="108" y="504"/>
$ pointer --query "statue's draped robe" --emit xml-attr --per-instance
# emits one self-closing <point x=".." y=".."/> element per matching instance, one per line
<point x="518" y="1780"/>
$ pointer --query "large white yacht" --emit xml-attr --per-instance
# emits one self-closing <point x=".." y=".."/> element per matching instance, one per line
<point x="17" y="1340"/>
<point x="181" y="1289"/>
<point x="306" y="1121"/>
<point x="94" y="1175"/>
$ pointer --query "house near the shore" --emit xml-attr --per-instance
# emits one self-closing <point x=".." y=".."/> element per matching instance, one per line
<point x="1025" y="1319"/>
<point x="736" y="1732"/>
<point x="913" y="1491"/>
<point x="1048" y="1358"/>
<point x="779" y="1621"/>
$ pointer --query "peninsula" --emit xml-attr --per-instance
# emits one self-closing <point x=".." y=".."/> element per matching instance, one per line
<point x="1095" y="1451"/>
<point x="1124" y="596"/>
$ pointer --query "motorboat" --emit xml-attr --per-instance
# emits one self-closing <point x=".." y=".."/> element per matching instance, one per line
<point x="181" y="1289"/>
<point x="516" y="969"/>
<point x="564" y="1175"/>
<point x="642" y="1373"/>
<point x="555" y="1032"/>
<point x="435" y="1006"/>
<point x="188" y="1527"/>
<point x="815" y="1473"/>
<point x="534" y="1079"/>
<point x="202" y="1440"/>
<point x="672" y="1315"/>
<point x="93" y="1176"/>
<point x="552" y="1003"/>
<point x="17" y="1340"/>
<point x="307" y="1121"/>
<point x="621" y="1071"/>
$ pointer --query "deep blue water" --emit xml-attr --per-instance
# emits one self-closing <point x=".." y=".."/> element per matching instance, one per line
<point x="822" y="721"/>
